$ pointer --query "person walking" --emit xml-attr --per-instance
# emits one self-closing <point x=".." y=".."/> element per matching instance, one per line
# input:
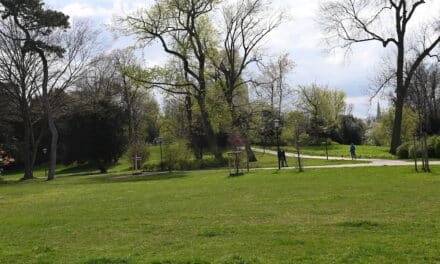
<point x="353" y="151"/>
<point x="280" y="158"/>
<point x="283" y="159"/>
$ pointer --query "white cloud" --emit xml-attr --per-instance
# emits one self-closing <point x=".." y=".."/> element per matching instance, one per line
<point x="77" y="9"/>
<point x="96" y="9"/>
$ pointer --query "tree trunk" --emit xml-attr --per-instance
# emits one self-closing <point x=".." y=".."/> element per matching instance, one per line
<point x="49" y="115"/>
<point x="236" y="122"/>
<point x="27" y="148"/>
<point x="198" y="153"/>
<point x="425" y="154"/>
<point x="53" y="146"/>
<point x="250" y="153"/>
<point x="298" y="152"/>
<point x="207" y="129"/>
<point x="400" y="97"/>
<point x="129" y="110"/>
<point x="36" y="143"/>
<point x="397" y="126"/>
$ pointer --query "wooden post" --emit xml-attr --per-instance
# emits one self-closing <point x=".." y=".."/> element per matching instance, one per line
<point x="414" y="153"/>
<point x="298" y="153"/>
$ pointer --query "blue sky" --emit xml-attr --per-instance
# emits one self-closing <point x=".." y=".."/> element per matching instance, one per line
<point x="299" y="36"/>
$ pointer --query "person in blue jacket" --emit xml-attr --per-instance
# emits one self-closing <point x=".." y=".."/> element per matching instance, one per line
<point x="353" y="151"/>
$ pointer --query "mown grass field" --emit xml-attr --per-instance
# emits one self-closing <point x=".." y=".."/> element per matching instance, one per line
<point x="356" y="215"/>
<point x="336" y="150"/>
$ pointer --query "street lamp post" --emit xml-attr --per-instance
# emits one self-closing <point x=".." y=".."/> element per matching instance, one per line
<point x="45" y="168"/>
<point x="326" y="147"/>
<point x="277" y="126"/>
<point x="414" y="152"/>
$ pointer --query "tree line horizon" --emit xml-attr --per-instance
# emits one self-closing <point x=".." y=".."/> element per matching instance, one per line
<point x="54" y="80"/>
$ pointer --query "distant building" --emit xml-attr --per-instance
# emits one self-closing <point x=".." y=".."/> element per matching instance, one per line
<point x="378" y="113"/>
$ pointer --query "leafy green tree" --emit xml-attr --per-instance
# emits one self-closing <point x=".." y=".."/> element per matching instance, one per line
<point x="381" y="132"/>
<point x="323" y="107"/>
<point x="294" y="121"/>
<point x="265" y="131"/>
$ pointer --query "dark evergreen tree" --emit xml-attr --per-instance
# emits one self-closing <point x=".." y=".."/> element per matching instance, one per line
<point x="94" y="134"/>
<point x="352" y="130"/>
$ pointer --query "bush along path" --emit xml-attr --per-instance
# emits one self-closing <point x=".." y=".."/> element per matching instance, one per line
<point x="369" y="162"/>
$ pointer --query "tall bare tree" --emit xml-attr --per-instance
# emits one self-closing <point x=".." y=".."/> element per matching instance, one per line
<point x="246" y="25"/>
<point x="424" y="100"/>
<point x="390" y="23"/>
<point x="20" y="74"/>
<point x="183" y="30"/>
<point x="424" y="97"/>
<point x="62" y="53"/>
<point x="273" y="83"/>
<point x="37" y="24"/>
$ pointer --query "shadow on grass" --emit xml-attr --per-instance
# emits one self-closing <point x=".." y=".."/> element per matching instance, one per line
<point x="82" y="168"/>
<point x="105" y="260"/>
<point x="153" y="176"/>
<point x="359" y="224"/>
<point x="234" y="259"/>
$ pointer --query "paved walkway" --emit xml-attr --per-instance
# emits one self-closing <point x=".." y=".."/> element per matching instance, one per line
<point x="369" y="162"/>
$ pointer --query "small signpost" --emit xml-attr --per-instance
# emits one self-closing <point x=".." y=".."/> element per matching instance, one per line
<point x="45" y="168"/>
<point x="137" y="161"/>
<point x="325" y="143"/>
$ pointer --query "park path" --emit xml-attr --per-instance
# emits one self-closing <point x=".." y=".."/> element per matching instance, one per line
<point x="369" y="162"/>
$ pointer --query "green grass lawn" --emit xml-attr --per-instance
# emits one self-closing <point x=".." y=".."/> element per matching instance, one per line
<point x="356" y="215"/>
<point x="343" y="151"/>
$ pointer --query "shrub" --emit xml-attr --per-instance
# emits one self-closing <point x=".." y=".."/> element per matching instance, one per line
<point x="138" y="150"/>
<point x="415" y="151"/>
<point x="177" y="156"/>
<point x="210" y="163"/>
<point x="407" y="149"/>
<point x="403" y="151"/>
<point x="434" y="146"/>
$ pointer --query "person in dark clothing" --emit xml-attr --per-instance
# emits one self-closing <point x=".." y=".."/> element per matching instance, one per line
<point x="283" y="159"/>
<point x="280" y="157"/>
<point x="353" y="151"/>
